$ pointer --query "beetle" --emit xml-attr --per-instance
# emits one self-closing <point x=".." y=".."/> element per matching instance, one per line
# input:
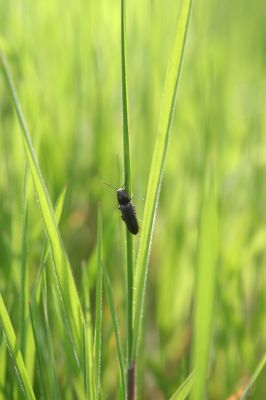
<point x="127" y="209"/>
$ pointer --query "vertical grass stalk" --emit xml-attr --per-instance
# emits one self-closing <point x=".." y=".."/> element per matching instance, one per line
<point x="98" y="317"/>
<point x="128" y="187"/>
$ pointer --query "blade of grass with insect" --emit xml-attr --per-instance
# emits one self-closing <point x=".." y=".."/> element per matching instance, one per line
<point x="205" y="286"/>
<point x="128" y="187"/>
<point x="98" y="317"/>
<point x="12" y="344"/>
<point x="66" y="285"/>
<point x="156" y="171"/>
<point x="184" y="390"/>
<point x="254" y="377"/>
<point x="110" y="301"/>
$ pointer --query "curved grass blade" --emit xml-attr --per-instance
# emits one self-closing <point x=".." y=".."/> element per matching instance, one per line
<point x="184" y="390"/>
<point x="205" y="287"/>
<point x="110" y="300"/>
<point x="254" y="377"/>
<point x="156" y="171"/>
<point x="12" y="344"/>
<point x="33" y="307"/>
<point x="98" y="317"/>
<point x="66" y="285"/>
<point x="45" y="253"/>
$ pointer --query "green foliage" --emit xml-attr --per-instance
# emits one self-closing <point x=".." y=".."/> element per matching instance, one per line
<point x="82" y="301"/>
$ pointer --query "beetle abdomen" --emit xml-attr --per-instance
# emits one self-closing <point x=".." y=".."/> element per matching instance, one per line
<point x="129" y="216"/>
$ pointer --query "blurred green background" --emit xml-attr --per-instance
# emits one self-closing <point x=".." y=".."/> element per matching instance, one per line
<point x="65" y="57"/>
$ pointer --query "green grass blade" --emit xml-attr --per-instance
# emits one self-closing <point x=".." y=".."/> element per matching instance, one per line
<point x="156" y="170"/>
<point x="66" y="284"/>
<point x="39" y="351"/>
<point x="2" y="367"/>
<point x="110" y="300"/>
<point x="205" y="287"/>
<point x="45" y="253"/>
<point x="51" y="359"/>
<point x="25" y="331"/>
<point x="254" y="377"/>
<point x="89" y="365"/>
<point x="47" y="385"/>
<point x="98" y="317"/>
<point x="128" y="187"/>
<point x="184" y="390"/>
<point x="15" y="353"/>
<point x="23" y="301"/>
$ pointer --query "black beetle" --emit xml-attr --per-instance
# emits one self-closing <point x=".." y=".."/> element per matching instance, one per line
<point x="128" y="211"/>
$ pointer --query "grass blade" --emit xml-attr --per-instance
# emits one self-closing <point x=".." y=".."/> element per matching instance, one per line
<point x="34" y="311"/>
<point x="205" y="287"/>
<point x="89" y="365"/>
<point x="39" y="359"/>
<point x="23" y="302"/>
<point x="254" y="377"/>
<point x="184" y="390"/>
<point x="128" y="187"/>
<point x="110" y="300"/>
<point x="15" y="353"/>
<point x="66" y="284"/>
<point x="98" y="317"/>
<point x="2" y="367"/>
<point x="45" y="253"/>
<point x="156" y="170"/>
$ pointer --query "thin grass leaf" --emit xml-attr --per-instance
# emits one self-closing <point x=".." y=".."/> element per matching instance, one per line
<point x="41" y="367"/>
<point x="23" y="301"/>
<point x="128" y="187"/>
<point x="65" y="282"/>
<point x="46" y="249"/>
<point x="86" y="364"/>
<point x="54" y="389"/>
<point x="88" y="359"/>
<point x="25" y="331"/>
<point x="254" y="377"/>
<point x="98" y="317"/>
<point x="110" y="300"/>
<point x="12" y="344"/>
<point x="156" y="171"/>
<point x="2" y="367"/>
<point x="205" y="287"/>
<point x="184" y="390"/>
<point x="34" y="312"/>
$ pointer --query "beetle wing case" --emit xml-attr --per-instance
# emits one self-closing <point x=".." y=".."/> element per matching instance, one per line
<point x="129" y="216"/>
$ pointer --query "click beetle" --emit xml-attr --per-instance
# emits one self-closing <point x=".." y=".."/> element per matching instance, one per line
<point x="127" y="209"/>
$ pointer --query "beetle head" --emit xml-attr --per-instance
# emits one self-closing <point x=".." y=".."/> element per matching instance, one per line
<point x="122" y="196"/>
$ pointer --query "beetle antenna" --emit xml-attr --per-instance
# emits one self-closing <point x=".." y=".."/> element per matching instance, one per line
<point x="125" y="182"/>
<point x="107" y="184"/>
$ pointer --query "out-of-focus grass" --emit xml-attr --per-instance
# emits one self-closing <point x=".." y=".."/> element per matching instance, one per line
<point x="66" y="63"/>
